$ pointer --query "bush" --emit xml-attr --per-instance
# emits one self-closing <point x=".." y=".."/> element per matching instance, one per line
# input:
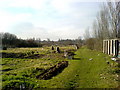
<point x="90" y="43"/>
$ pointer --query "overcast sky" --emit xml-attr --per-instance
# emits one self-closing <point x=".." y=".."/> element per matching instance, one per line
<point x="54" y="19"/>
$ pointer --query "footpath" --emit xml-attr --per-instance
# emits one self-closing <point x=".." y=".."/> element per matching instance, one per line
<point x="88" y="69"/>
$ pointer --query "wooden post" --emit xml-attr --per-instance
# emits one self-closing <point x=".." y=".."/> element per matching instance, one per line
<point x="52" y="48"/>
<point x="57" y="49"/>
<point x="103" y="46"/>
<point x="108" y="47"/>
<point x="119" y="49"/>
<point x="111" y="45"/>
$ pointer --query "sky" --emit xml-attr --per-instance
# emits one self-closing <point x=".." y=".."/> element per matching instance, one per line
<point x="53" y="19"/>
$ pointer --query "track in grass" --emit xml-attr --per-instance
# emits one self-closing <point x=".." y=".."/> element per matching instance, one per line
<point x="88" y="70"/>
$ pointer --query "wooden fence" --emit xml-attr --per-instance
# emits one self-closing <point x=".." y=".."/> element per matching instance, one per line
<point x="112" y="47"/>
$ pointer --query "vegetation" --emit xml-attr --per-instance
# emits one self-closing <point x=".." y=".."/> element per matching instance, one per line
<point x="33" y="64"/>
<point x="21" y="72"/>
<point x="85" y="73"/>
<point x="89" y="69"/>
<point x="11" y="40"/>
<point x="105" y="26"/>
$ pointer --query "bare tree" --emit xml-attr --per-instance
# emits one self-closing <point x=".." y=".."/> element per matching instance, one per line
<point x="87" y="34"/>
<point x="95" y="29"/>
<point x="113" y="18"/>
<point x="107" y="23"/>
<point x="118" y="18"/>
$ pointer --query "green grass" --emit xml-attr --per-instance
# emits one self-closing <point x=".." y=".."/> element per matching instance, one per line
<point x="80" y="73"/>
<point x="90" y="71"/>
<point x="83" y="73"/>
<point x="16" y="71"/>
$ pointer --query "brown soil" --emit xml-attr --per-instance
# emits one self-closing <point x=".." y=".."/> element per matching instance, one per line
<point x="53" y="71"/>
<point x="21" y="55"/>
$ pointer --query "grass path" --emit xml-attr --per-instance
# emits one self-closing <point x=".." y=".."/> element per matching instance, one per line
<point x="84" y="73"/>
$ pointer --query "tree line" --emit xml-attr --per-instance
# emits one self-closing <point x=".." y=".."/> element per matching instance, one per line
<point x="105" y="26"/>
<point x="9" y="40"/>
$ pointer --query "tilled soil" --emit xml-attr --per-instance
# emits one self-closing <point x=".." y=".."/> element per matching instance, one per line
<point x="53" y="71"/>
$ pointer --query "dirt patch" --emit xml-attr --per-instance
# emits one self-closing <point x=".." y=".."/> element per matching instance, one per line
<point x="53" y="71"/>
<point x="2" y="64"/>
<point x="34" y="56"/>
<point x="13" y="55"/>
<point x="8" y="69"/>
<point x="21" y="55"/>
